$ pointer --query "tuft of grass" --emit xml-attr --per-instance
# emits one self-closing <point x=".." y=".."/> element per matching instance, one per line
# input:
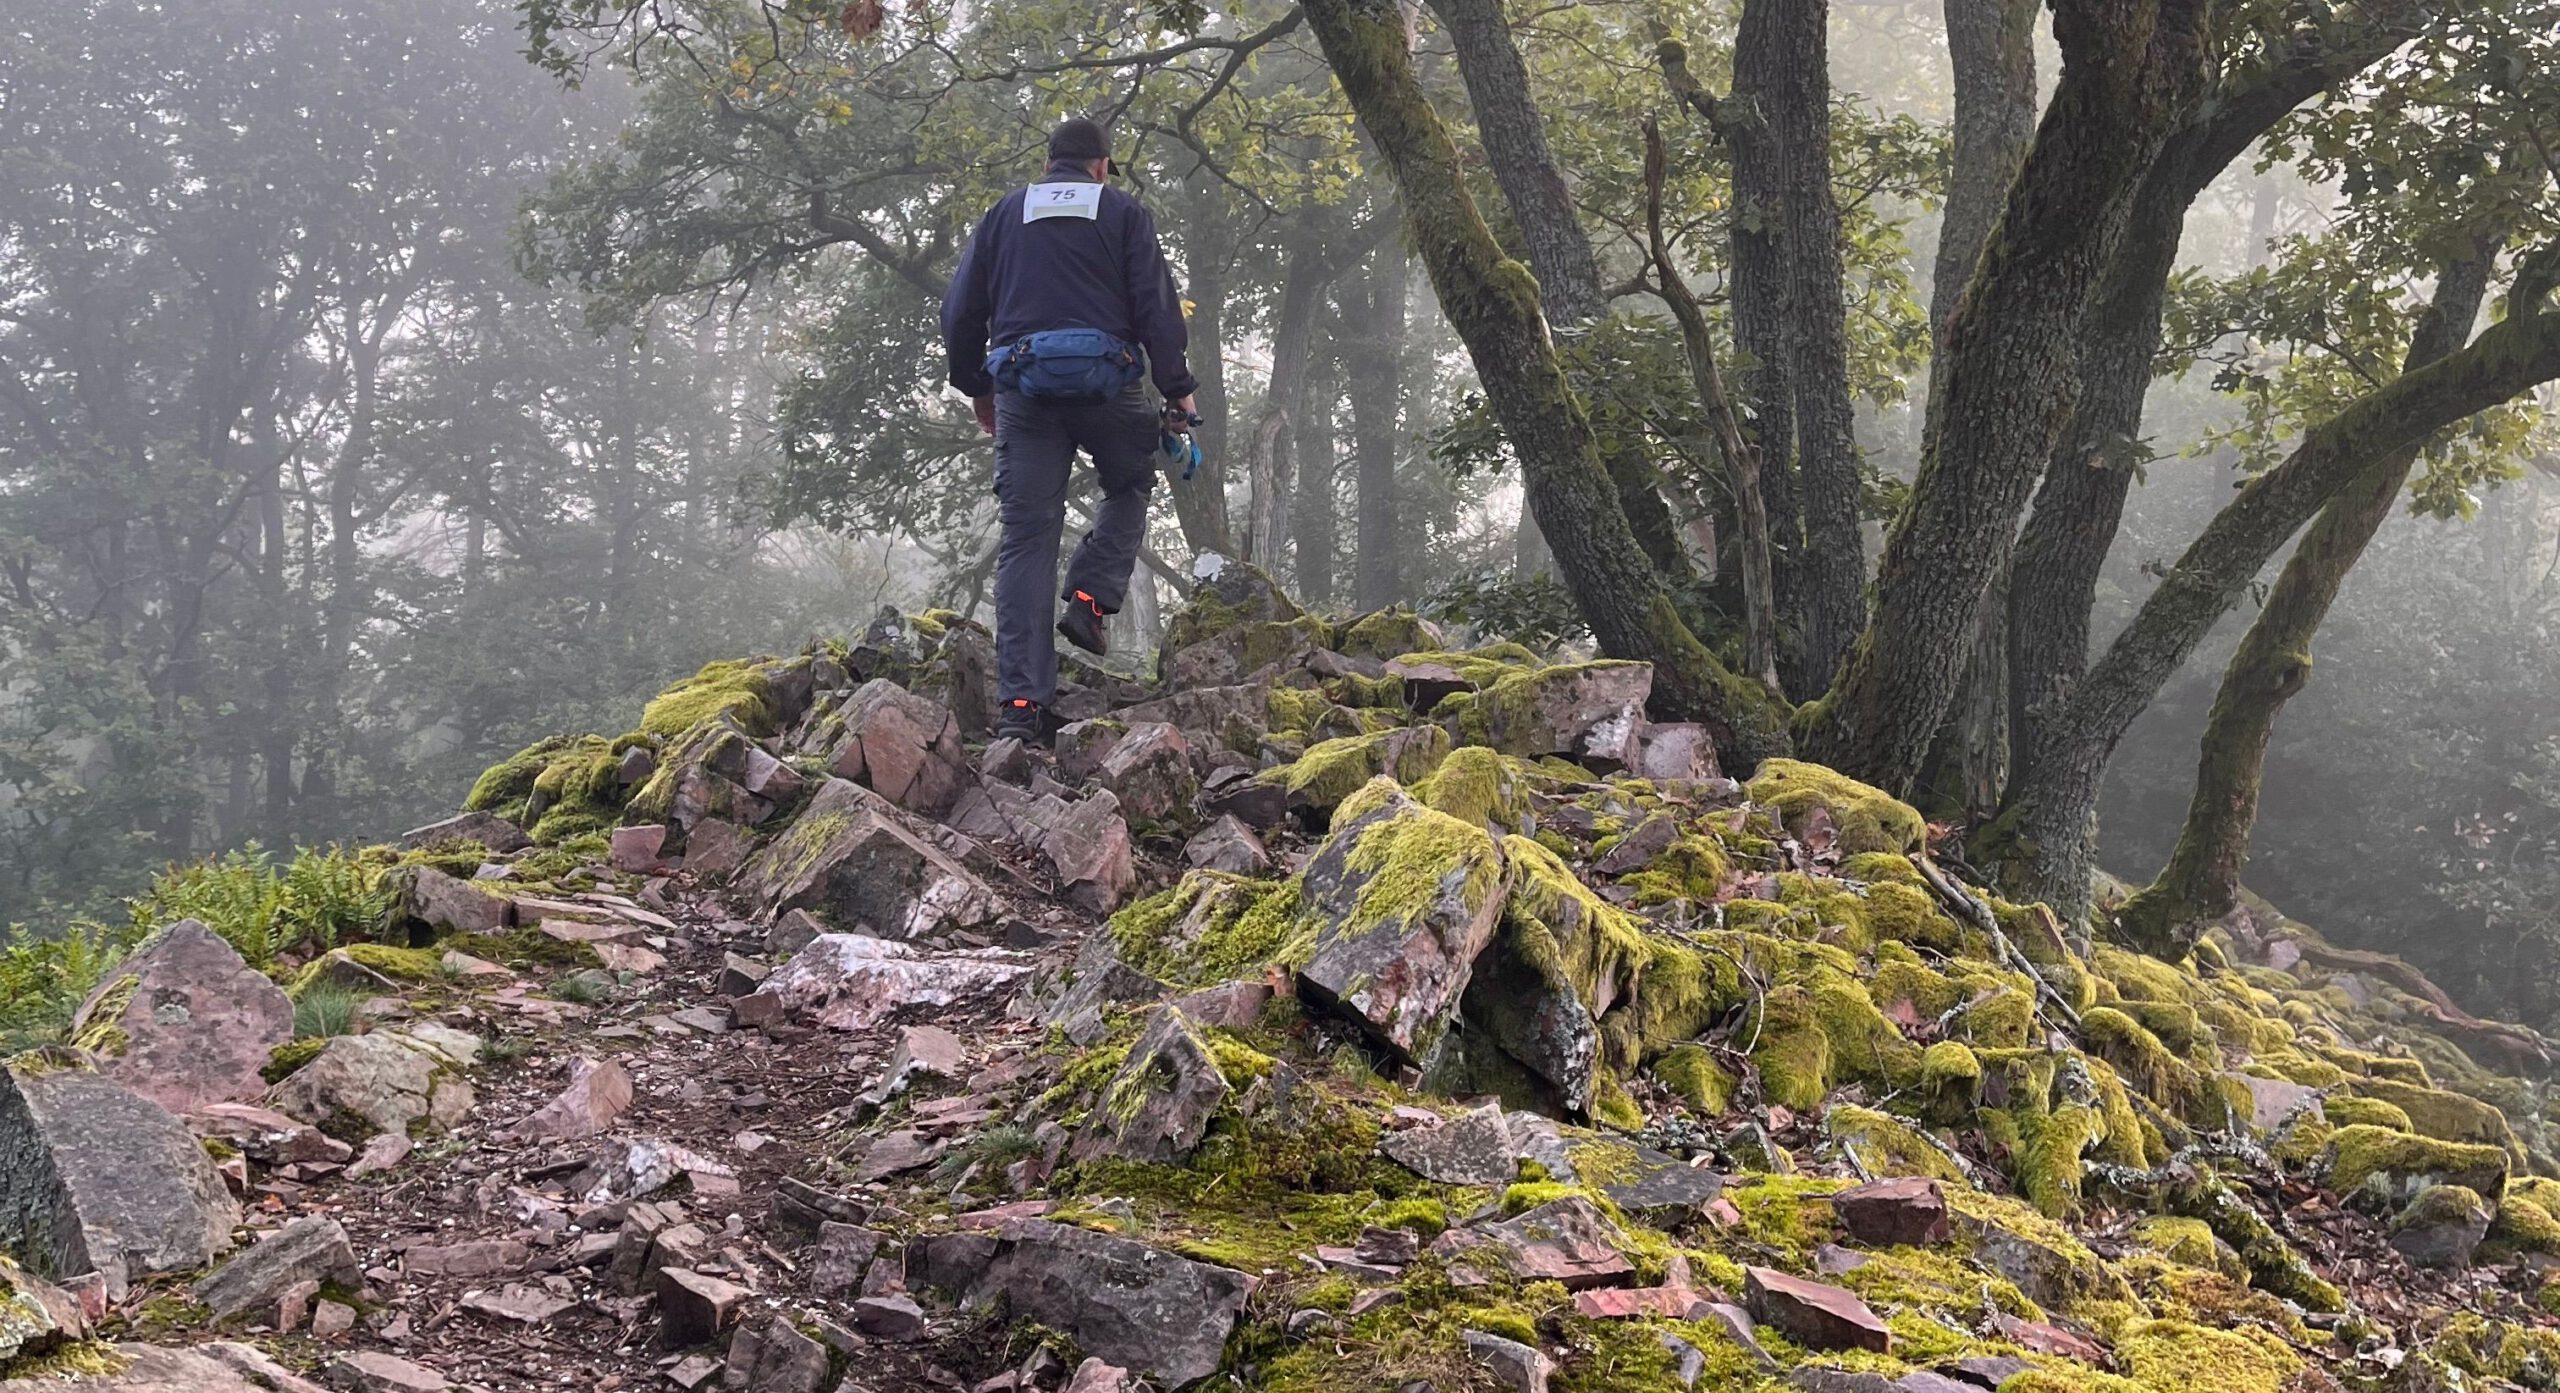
<point x="583" y="988"/>
<point x="325" y="1009"/>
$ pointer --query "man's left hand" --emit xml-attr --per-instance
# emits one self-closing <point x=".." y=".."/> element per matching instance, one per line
<point x="986" y="408"/>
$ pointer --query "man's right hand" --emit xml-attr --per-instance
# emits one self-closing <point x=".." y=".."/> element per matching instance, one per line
<point x="986" y="409"/>
<point x="1181" y="425"/>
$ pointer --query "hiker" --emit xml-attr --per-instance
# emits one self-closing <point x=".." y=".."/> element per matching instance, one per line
<point x="1062" y="305"/>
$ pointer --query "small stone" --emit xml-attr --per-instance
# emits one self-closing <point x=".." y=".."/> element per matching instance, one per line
<point x="599" y="1091"/>
<point x="1515" y="1366"/>
<point x="741" y="975"/>
<point x="1094" y="1376"/>
<point x="486" y="1258"/>
<point x="844" y="1251"/>
<point x="331" y="1320"/>
<point x="1908" y="1210"/>
<point x="695" y="1308"/>
<point x="1566" y="1241"/>
<point x="1989" y="1370"/>
<point x="520" y="1305"/>
<point x="1628" y="1303"/>
<point x="2036" y="1337"/>
<point x="1472" y="1148"/>
<point x="380" y="1154"/>
<point x="370" y="1371"/>
<point x="635" y="849"/>
<point x="896" y="1319"/>
<point x="1227" y="845"/>
<point x="923" y="1051"/>
<point x="310" y="1249"/>
<point x="1814" y="1314"/>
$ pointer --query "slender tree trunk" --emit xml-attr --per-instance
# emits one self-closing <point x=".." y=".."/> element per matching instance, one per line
<point x="1559" y="252"/>
<point x="1741" y="461"/>
<point x="1317" y="518"/>
<point x="1200" y="503"/>
<point x="2044" y="836"/>
<point x="1763" y="310"/>
<point x="1292" y="343"/>
<point x="1492" y="303"/>
<point x="1991" y="45"/>
<point x="1796" y="91"/>
<point x="1375" y="365"/>
<point x="2201" y="882"/>
<point x="2130" y="76"/>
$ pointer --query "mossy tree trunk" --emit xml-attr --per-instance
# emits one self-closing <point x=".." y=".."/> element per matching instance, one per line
<point x="1991" y="48"/>
<point x="2043" y="836"/>
<point x="2201" y="881"/>
<point x="1492" y="302"/>
<point x="1789" y="75"/>
<point x="2053" y="583"/>
<point x="1559" y="251"/>
<point x="1274" y="454"/>
<point x="2130" y="76"/>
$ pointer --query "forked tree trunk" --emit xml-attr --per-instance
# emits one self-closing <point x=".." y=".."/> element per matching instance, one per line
<point x="1374" y="363"/>
<point x="1492" y="303"/>
<point x="2043" y="838"/>
<point x="2201" y="881"/>
<point x="2130" y="76"/>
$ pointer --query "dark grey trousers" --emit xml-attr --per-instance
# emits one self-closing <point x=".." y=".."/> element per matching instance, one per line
<point x="1036" y="444"/>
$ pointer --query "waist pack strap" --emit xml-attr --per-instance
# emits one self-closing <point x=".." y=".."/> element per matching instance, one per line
<point x="1072" y="364"/>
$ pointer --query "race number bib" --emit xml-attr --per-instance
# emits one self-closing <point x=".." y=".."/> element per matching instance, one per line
<point x="1062" y="201"/>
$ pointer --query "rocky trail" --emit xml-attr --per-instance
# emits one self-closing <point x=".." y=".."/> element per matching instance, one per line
<point x="1338" y="1012"/>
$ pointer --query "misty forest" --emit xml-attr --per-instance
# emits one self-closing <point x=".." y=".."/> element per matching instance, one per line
<point x="2056" y="502"/>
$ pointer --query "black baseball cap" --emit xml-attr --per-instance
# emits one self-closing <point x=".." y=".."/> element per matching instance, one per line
<point x="1078" y="138"/>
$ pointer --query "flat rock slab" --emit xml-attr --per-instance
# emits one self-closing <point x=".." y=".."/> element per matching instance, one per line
<point x="1568" y="1241"/>
<point x="184" y="1021"/>
<point x="96" y="1177"/>
<point x="854" y="982"/>
<point x="1473" y="1148"/>
<point x="370" y="1371"/>
<point x="1816" y="1315"/>
<point x="310" y="1249"/>
<point x="1164" y="1317"/>
<point x="210" y="1368"/>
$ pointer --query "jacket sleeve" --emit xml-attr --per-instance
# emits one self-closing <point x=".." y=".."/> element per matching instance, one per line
<point x="967" y="305"/>
<point x="1155" y="307"/>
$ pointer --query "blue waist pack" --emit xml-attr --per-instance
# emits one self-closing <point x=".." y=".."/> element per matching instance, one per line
<point x="1066" y="365"/>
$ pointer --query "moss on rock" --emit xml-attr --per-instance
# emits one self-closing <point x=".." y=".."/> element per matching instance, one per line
<point x="1866" y="819"/>
<point x="740" y="689"/>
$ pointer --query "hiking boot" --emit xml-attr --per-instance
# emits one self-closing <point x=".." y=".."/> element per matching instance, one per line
<point x="1026" y="721"/>
<point x="1082" y="625"/>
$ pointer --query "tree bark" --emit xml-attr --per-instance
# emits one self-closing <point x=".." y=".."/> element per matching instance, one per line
<point x="1200" y="503"/>
<point x="1991" y="48"/>
<point x="2044" y="835"/>
<point x="1796" y="94"/>
<point x="1315" y="518"/>
<point x="1375" y="364"/>
<point x="2080" y="504"/>
<point x="1741" y="461"/>
<point x="1274" y="454"/>
<point x="2201" y="881"/>
<point x="1560" y="256"/>
<point x="2130" y="77"/>
<point x="1492" y="303"/>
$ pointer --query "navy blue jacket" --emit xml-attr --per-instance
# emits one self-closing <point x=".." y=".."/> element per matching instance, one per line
<point x="1107" y="272"/>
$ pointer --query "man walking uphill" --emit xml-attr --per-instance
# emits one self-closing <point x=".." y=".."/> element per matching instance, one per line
<point x="1066" y="281"/>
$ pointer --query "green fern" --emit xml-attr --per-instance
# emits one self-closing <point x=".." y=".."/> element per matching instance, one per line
<point x="44" y="980"/>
